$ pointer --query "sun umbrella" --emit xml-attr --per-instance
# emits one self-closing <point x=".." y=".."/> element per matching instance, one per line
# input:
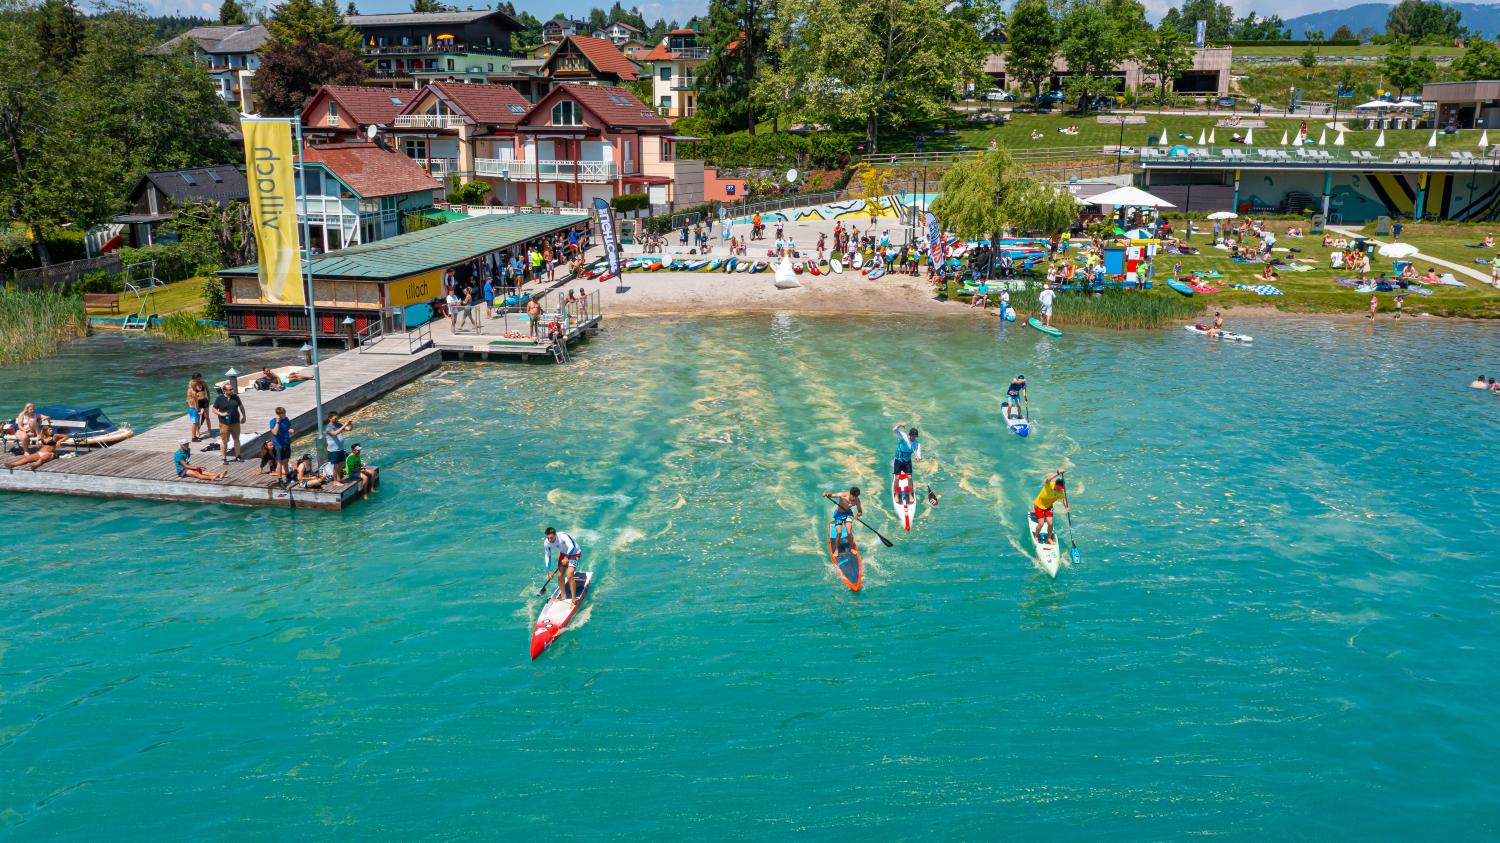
<point x="1164" y="136"/>
<point x="1283" y="138"/>
<point x="1432" y="141"/>
<point x="1398" y="250"/>
<point x="1323" y="137"/>
<point x="1380" y="141"/>
<point x="1249" y="136"/>
<point x="1484" y="138"/>
<point x="1201" y="137"/>
<point x="1138" y="234"/>
<point x="1210" y="136"/>
<point x="1129" y="197"/>
<point x="1222" y="215"/>
<point x="1372" y="105"/>
<point x="1339" y="141"/>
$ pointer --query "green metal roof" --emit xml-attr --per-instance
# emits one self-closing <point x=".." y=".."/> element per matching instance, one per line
<point x="431" y="248"/>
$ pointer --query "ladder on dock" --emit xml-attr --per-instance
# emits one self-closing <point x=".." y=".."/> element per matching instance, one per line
<point x="560" y="350"/>
<point x="145" y="314"/>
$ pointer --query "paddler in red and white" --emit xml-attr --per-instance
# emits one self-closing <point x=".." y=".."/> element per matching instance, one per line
<point x="907" y="450"/>
<point x="568" y="553"/>
<point x="1053" y="488"/>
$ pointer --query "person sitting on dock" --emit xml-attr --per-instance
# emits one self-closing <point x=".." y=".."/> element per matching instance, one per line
<point x="47" y="443"/>
<point x="185" y="469"/>
<point x="554" y="332"/>
<point x="354" y="469"/>
<point x="305" y="474"/>
<point x="269" y="380"/>
<point x="267" y="458"/>
<point x="28" y="426"/>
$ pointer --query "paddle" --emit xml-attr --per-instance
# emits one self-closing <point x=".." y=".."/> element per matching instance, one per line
<point x="543" y="589"/>
<point x="932" y="498"/>
<point x="883" y="540"/>
<point x="1074" y="556"/>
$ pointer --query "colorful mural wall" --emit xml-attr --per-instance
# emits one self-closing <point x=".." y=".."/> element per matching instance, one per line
<point x="1359" y="197"/>
<point x="889" y="207"/>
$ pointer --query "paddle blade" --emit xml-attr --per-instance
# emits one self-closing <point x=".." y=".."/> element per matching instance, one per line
<point x="932" y="499"/>
<point x="883" y="540"/>
<point x="1075" y="556"/>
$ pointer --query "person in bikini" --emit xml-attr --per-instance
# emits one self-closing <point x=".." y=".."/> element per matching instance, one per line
<point x="47" y="443"/>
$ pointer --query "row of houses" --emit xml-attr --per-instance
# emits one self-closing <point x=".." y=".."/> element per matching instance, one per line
<point x="376" y="155"/>
<point x="410" y="50"/>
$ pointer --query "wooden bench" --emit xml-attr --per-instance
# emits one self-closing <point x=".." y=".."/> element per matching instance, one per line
<point x="101" y="301"/>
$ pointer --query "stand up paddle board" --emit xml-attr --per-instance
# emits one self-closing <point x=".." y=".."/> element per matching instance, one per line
<point x="1020" y="427"/>
<point x="838" y="265"/>
<point x="1200" y="328"/>
<point x="557" y="612"/>
<point x="904" y="498"/>
<point x="1046" y="549"/>
<point x="1043" y="327"/>
<point x="846" y="560"/>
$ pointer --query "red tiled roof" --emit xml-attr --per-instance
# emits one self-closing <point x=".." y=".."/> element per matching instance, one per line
<point x="659" y="52"/>
<point x="615" y="106"/>
<point x="364" y="106"/>
<point x="485" y="103"/>
<point x="604" y="56"/>
<point x="372" y="170"/>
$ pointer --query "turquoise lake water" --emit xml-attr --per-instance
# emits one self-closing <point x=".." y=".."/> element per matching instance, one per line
<point x="1284" y="626"/>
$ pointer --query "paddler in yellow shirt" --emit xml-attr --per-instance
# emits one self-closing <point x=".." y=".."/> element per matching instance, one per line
<point x="1053" y="489"/>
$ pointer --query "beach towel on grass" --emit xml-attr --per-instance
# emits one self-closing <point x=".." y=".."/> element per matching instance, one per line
<point x="1259" y="289"/>
<point x="1448" y="280"/>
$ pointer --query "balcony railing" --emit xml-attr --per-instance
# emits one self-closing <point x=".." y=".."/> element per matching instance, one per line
<point x="427" y="121"/>
<point x="689" y="53"/>
<point x="684" y="83"/>
<point x="438" y="167"/>
<point x="583" y="171"/>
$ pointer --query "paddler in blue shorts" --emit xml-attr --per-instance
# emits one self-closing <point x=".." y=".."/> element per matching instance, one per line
<point x="568" y="553"/>
<point x="845" y="507"/>
<point x="1017" y="389"/>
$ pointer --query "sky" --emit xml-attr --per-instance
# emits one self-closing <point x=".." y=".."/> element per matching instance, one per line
<point x="681" y="10"/>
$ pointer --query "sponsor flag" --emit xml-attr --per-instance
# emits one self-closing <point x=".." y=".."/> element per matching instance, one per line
<point x="608" y="234"/>
<point x="270" y="168"/>
<point x="935" y="243"/>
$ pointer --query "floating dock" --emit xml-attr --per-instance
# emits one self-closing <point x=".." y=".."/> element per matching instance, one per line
<point x="141" y="467"/>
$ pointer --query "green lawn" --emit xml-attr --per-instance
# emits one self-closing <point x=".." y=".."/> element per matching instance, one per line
<point x="1315" y="291"/>
<point x="179" y="295"/>
<point x="1016" y="134"/>
<point x="1356" y="50"/>
<point x="1447" y="241"/>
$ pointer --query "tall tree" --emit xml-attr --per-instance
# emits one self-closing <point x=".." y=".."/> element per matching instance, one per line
<point x="1094" y="48"/>
<point x="1480" y="60"/>
<point x="1031" y="50"/>
<point x="60" y="31"/>
<point x="1130" y="21"/>
<point x="886" y="62"/>
<point x="1421" y="22"/>
<point x="427" y="6"/>
<point x="1252" y="27"/>
<point x="1343" y="33"/>
<point x="1218" y="18"/>
<point x="290" y="74"/>
<point x="231" y="13"/>
<point x="735" y="34"/>
<point x="984" y="196"/>
<point x="1405" y="73"/>
<point x="1165" y="55"/>
<point x="317" y="21"/>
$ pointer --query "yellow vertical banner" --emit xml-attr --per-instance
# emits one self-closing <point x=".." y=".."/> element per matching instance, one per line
<point x="271" y="170"/>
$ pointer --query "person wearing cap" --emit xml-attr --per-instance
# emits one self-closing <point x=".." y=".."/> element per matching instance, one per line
<point x="180" y="460"/>
<point x="1017" y="390"/>
<point x="305" y="473"/>
<point x="231" y="413"/>
<point x="354" y="469"/>
<point x="1053" y="489"/>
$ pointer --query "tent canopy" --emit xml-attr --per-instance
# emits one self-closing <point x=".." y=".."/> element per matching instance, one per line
<point x="1132" y="197"/>
<point x="1372" y="105"/>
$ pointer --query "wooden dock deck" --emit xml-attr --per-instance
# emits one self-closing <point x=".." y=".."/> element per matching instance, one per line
<point x="141" y="467"/>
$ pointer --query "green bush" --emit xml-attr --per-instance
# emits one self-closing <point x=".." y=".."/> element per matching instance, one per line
<point x="776" y="149"/>
<point x="472" y="193"/>
<point x="174" y="262"/>
<point x="213" y="298"/>
<point x="185" y="327"/>
<point x="99" y="282"/>
<point x="627" y="202"/>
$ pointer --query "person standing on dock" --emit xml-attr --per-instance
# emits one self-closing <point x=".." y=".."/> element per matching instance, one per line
<point x="231" y="413"/>
<point x="197" y="400"/>
<point x="534" y="315"/>
<point x="333" y="435"/>
<point x="281" y="440"/>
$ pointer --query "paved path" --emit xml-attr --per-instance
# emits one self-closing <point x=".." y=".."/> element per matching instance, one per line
<point x="1475" y="274"/>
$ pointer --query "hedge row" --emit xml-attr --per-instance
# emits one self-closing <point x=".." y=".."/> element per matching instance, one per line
<point x="1332" y="42"/>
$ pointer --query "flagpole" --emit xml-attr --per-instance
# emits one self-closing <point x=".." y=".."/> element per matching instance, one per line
<point x="312" y="311"/>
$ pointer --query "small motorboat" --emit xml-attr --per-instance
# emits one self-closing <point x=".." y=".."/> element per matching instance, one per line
<point x="87" y="427"/>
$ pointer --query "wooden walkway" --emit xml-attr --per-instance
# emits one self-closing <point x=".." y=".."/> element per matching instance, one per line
<point x="141" y="467"/>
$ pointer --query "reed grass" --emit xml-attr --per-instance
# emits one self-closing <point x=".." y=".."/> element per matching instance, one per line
<point x="185" y="327"/>
<point x="34" y="323"/>
<point x="1119" y="309"/>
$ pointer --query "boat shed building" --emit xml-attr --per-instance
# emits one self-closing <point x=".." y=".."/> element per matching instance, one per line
<point x="390" y="284"/>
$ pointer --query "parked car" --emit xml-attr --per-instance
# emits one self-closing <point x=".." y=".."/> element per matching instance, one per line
<point x="1224" y="102"/>
<point x="1053" y="97"/>
<point x="1000" y="96"/>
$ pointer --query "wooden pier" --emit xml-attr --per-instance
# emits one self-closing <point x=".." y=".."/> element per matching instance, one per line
<point x="141" y="467"/>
